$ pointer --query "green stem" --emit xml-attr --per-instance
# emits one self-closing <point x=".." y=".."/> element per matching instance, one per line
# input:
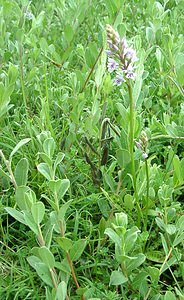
<point x="147" y="195"/>
<point x="40" y="237"/>
<point x="131" y="149"/>
<point x="47" y="106"/>
<point x="165" y="260"/>
<point x="22" y="80"/>
<point x="70" y="263"/>
<point x="163" y="136"/>
<point x="21" y="66"/>
<point x="56" y="202"/>
<point x="53" y="278"/>
<point x="52" y="271"/>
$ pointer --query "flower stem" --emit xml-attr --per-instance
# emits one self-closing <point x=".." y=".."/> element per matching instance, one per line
<point x="147" y="195"/>
<point x="131" y="149"/>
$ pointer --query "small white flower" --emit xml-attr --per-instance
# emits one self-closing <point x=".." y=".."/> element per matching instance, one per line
<point x="145" y="155"/>
<point x="28" y="15"/>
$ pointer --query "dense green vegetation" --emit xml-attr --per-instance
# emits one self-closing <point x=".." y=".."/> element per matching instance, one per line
<point x="91" y="173"/>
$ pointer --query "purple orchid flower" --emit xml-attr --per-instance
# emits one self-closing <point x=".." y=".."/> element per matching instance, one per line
<point x="130" y="75"/>
<point x="121" y="57"/>
<point x="112" y="65"/>
<point x="118" y="80"/>
<point x="130" y="54"/>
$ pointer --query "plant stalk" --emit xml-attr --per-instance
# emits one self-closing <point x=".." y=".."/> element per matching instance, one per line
<point x="147" y="195"/>
<point x="71" y="264"/>
<point x="131" y="149"/>
<point x="52" y="277"/>
<point x="163" y="136"/>
<point x="22" y="80"/>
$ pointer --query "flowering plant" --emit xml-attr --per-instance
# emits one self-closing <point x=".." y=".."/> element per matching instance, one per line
<point x="121" y="57"/>
<point x="121" y="61"/>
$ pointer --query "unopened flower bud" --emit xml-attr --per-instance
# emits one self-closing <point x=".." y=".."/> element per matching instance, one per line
<point x="112" y="35"/>
<point x="142" y="144"/>
<point x="121" y="219"/>
<point x="144" y="139"/>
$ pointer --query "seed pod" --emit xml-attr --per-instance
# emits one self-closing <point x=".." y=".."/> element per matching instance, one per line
<point x="105" y="155"/>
